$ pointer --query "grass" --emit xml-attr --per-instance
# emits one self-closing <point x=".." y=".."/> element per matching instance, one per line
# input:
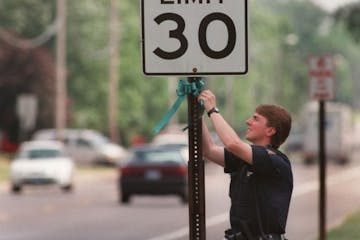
<point x="4" y="167"/>
<point x="349" y="230"/>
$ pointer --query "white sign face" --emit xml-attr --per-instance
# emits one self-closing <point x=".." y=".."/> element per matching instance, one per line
<point x="321" y="71"/>
<point x="27" y="109"/>
<point x="194" y="37"/>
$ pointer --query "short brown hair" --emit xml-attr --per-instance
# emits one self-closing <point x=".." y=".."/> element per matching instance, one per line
<point x="279" y="118"/>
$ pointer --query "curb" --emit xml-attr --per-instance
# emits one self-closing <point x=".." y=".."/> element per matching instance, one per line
<point x="79" y="176"/>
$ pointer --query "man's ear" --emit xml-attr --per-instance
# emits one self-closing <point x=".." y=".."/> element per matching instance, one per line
<point x="270" y="131"/>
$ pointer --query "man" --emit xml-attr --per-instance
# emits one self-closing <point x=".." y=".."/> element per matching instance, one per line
<point x="261" y="176"/>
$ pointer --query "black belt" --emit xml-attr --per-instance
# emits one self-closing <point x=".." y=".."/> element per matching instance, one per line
<point x="241" y="236"/>
<point x="272" y="237"/>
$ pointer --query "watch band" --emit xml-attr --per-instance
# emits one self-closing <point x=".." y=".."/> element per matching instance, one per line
<point x="214" y="109"/>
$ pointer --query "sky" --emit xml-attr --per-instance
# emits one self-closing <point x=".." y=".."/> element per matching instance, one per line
<point x="331" y="5"/>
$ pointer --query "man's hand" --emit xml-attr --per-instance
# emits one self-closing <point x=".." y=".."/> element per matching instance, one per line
<point x="208" y="98"/>
<point x="226" y="133"/>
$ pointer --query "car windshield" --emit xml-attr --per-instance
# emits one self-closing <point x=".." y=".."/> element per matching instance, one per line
<point x="157" y="156"/>
<point x="41" y="153"/>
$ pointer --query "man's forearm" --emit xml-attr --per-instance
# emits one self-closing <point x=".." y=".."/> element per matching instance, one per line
<point x="211" y="151"/>
<point x="230" y="139"/>
<point x="226" y="133"/>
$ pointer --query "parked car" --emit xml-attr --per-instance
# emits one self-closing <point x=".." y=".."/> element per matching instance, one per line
<point x="86" y="146"/>
<point x="153" y="170"/>
<point x="41" y="162"/>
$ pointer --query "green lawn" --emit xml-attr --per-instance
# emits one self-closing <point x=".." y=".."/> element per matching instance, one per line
<point x="349" y="230"/>
<point x="4" y="167"/>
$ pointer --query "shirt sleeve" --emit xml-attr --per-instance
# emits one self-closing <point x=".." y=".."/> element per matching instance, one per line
<point x="232" y="162"/>
<point x="267" y="162"/>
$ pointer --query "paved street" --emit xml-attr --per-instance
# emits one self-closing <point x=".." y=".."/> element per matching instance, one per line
<point x="92" y="210"/>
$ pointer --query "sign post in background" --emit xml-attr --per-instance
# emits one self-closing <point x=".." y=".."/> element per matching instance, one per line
<point x="321" y="73"/>
<point x="194" y="38"/>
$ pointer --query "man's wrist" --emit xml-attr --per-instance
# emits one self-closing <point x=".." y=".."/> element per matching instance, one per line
<point x="213" y="110"/>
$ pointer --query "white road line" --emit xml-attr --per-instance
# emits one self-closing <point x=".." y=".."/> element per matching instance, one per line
<point x="298" y="191"/>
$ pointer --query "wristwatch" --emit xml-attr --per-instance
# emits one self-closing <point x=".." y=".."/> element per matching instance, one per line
<point x="214" y="109"/>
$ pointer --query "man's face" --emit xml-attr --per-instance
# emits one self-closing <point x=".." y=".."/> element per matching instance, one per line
<point x="258" y="132"/>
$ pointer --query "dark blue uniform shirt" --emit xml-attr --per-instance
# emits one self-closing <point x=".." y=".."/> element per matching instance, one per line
<point x="271" y="173"/>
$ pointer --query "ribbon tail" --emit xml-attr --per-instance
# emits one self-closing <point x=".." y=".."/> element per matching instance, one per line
<point x="169" y="114"/>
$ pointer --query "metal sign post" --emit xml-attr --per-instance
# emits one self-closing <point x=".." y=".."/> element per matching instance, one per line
<point x="322" y="172"/>
<point x="196" y="171"/>
<point x="194" y="38"/>
<point x="321" y="71"/>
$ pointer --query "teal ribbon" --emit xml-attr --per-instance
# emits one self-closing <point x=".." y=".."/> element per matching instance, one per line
<point x="184" y="88"/>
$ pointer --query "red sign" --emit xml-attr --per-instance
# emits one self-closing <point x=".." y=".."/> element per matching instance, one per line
<point x="321" y="73"/>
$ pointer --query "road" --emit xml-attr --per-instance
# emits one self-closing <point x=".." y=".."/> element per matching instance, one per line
<point x="92" y="210"/>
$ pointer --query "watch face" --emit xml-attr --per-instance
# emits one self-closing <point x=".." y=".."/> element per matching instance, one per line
<point x="215" y="109"/>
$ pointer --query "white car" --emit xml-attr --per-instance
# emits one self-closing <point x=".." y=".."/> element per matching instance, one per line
<point x="42" y="162"/>
<point x="86" y="146"/>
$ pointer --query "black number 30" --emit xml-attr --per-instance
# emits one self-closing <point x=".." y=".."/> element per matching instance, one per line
<point x="178" y="33"/>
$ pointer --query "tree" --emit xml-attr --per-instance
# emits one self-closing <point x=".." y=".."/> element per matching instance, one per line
<point x="282" y="34"/>
<point x="350" y="15"/>
<point x="25" y="71"/>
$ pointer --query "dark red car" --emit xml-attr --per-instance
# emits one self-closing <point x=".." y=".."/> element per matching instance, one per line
<point x="154" y="170"/>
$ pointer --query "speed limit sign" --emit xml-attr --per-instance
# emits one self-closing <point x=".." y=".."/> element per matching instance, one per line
<point x="194" y="37"/>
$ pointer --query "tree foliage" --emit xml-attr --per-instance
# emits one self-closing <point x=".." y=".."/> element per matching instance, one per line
<point x="350" y="16"/>
<point x="25" y="71"/>
<point x="282" y="35"/>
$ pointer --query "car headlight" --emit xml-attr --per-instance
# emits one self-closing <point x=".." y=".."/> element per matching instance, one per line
<point x="64" y="173"/>
<point x="111" y="152"/>
<point x="16" y="172"/>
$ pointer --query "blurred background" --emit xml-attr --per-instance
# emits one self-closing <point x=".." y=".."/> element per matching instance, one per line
<point x="71" y="71"/>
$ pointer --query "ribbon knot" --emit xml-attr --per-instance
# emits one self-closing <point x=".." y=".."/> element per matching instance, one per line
<point x="184" y="88"/>
<point x="194" y="88"/>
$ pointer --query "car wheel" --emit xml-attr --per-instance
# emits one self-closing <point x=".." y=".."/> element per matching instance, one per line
<point x="16" y="188"/>
<point x="125" y="198"/>
<point x="67" y="188"/>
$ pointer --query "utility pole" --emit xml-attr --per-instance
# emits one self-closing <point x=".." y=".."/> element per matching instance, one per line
<point x="61" y="93"/>
<point x="113" y="71"/>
